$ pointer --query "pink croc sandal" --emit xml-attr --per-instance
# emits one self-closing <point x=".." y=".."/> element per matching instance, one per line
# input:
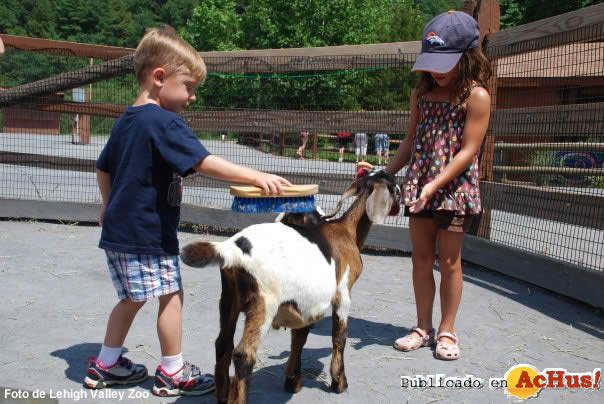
<point x="445" y="350"/>
<point x="416" y="339"/>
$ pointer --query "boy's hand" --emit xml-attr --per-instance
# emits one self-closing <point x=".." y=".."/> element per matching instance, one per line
<point x="102" y="214"/>
<point x="271" y="184"/>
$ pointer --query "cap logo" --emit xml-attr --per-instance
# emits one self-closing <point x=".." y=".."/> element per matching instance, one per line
<point x="434" y="39"/>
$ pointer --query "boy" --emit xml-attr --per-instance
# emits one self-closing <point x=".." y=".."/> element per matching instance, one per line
<point x="139" y="176"/>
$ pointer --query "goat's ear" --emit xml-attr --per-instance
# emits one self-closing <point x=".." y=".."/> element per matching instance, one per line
<point x="379" y="203"/>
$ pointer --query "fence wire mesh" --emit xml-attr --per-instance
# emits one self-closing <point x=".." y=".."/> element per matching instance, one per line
<point x="542" y="161"/>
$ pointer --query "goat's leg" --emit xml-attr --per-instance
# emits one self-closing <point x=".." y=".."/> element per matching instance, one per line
<point x="338" y="337"/>
<point x="293" y="368"/>
<point x="229" y="313"/>
<point x="244" y="356"/>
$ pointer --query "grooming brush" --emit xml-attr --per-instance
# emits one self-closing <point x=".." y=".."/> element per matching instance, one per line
<point x="297" y="198"/>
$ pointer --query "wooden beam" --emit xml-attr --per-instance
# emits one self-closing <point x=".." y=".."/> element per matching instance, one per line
<point x="311" y="59"/>
<point x="576" y="208"/>
<point x="67" y="81"/>
<point x="548" y="32"/>
<point x="568" y="146"/>
<point x="542" y="83"/>
<point x="550" y="170"/>
<point x="270" y="121"/>
<point x="64" y="48"/>
<point x="250" y="61"/>
<point x="559" y="120"/>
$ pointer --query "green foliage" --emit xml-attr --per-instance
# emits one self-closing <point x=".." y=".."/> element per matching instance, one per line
<point x="246" y="24"/>
<point x="214" y="25"/>
<point x="517" y="12"/>
<point x="432" y="8"/>
<point x="512" y="13"/>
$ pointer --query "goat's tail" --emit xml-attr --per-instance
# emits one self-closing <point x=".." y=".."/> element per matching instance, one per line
<point x="201" y="254"/>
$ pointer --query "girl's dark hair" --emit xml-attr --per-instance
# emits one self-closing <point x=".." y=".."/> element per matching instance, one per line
<point x="474" y="67"/>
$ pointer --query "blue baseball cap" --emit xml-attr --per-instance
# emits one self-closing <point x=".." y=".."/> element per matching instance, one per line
<point x="444" y="40"/>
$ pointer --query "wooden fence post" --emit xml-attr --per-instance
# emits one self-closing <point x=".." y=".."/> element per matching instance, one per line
<point x="488" y="15"/>
<point x="315" y="145"/>
<point x="281" y="144"/>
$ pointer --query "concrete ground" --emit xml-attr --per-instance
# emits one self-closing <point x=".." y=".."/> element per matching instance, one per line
<point x="58" y="294"/>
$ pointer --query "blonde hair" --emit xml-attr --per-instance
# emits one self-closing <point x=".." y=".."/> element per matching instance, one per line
<point x="161" y="47"/>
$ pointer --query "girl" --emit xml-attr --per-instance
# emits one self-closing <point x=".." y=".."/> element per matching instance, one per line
<point x="449" y="117"/>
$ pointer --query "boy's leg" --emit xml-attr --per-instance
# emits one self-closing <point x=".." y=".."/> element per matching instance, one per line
<point x="119" y="323"/>
<point x="169" y="323"/>
<point x="174" y="376"/>
<point x="110" y="367"/>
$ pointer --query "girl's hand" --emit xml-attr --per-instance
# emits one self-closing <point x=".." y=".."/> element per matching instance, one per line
<point x="271" y="184"/>
<point x="419" y="204"/>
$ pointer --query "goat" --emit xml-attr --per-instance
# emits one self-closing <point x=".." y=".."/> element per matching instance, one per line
<point x="289" y="274"/>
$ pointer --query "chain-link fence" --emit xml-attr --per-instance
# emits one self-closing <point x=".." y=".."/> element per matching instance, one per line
<point x="542" y="162"/>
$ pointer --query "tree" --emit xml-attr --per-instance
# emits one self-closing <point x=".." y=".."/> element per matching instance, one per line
<point x="512" y="13"/>
<point x="214" y="25"/>
<point x="432" y="8"/>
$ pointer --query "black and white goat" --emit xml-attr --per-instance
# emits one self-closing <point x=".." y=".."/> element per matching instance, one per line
<point x="290" y="274"/>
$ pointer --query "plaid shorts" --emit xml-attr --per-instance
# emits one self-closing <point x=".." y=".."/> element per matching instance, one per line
<point x="141" y="277"/>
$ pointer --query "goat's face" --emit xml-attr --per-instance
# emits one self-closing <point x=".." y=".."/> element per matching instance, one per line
<point x="383" y="195"/>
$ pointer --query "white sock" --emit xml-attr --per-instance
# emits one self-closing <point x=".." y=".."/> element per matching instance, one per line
<point x="172" y="364"/>
<point x="108" y="355"/>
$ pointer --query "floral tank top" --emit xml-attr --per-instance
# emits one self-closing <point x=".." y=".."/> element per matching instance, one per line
<point x="437" y="140"/>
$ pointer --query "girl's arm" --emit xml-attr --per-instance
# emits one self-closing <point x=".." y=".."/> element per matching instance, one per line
<point x="221" y="169"/>
<point x="477" y="121"/>
<point x="403" y="153"/>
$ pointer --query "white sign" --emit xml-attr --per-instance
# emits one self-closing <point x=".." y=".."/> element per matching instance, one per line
<point x="79" y="94"/>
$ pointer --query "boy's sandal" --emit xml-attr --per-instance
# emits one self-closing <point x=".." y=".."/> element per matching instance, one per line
<point x="445" y="350"/>
<point x="416" y="338"/>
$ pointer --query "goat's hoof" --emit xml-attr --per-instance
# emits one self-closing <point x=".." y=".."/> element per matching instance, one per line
<point x="340" y="385"/>
<point x="293" y="384"/>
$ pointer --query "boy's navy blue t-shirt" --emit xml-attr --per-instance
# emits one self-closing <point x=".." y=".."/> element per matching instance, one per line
<point x="149" y="149"/>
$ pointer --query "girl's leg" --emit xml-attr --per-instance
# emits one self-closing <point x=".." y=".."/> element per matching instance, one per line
<point x="449" y="262"/>
<point x="119" y="323"/>
<point x="169" y="323"/>
<point x="423" y="233"/>
<point x="341" y="154"/>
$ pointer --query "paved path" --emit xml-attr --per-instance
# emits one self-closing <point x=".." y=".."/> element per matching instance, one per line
<point x="57" y="296"/>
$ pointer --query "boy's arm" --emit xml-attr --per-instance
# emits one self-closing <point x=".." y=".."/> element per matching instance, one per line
<point x="221" y="169"/>
<point x="104" y="181"/>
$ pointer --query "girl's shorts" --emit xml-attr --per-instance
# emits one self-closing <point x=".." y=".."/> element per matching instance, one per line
<point x="141" y="277"/>
<point x="445" y="220"/>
